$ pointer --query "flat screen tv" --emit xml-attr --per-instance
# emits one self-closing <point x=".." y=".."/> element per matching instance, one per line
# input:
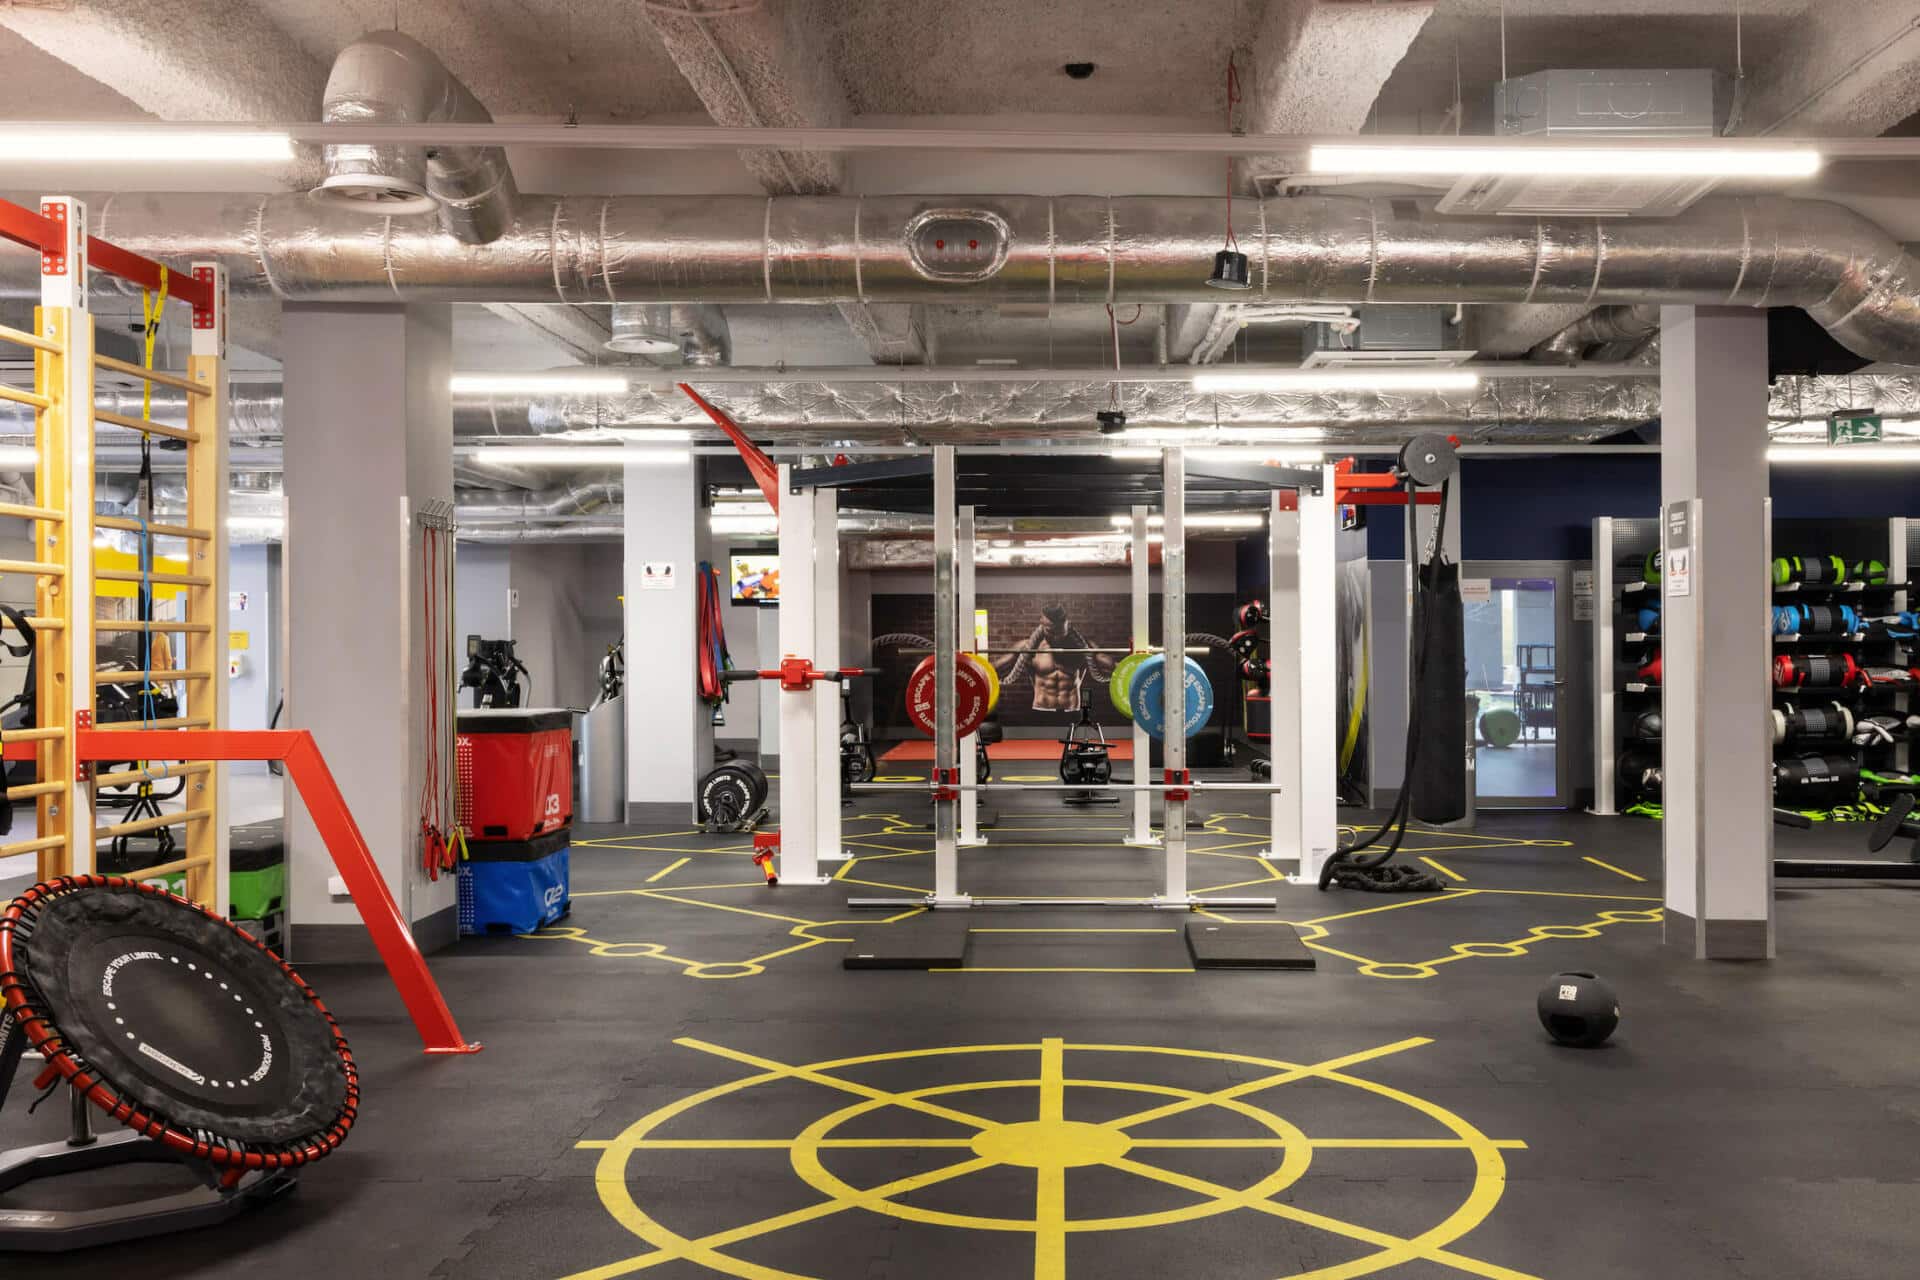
<point x="753" y="576"/>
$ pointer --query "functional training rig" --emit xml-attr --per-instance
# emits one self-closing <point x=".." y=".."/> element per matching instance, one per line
<point x="64" y="743"/>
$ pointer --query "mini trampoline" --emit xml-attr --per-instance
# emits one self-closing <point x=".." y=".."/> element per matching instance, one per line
<point x="206" y="1046"/>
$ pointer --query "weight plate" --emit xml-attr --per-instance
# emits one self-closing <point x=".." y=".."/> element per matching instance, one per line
<point x="970" y="697"/>
<point x="1427" y="459"/>
<point x="992" y="676"/>
<point x="1149" y="696"/>
<point x="1119" y="686"/>
<point x="1499" y="727"/>
<point x="727" y="796"/>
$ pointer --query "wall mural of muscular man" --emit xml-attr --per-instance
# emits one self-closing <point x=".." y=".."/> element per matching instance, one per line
<point x="1042" y="680"/>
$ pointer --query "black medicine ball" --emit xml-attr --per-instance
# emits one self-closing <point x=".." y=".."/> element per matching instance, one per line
<point x="1647" y="725"/>
<point x="1578" y="1009"/>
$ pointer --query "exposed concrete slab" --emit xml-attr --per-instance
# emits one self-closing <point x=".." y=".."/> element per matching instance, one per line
<point x="1853" y="72"/>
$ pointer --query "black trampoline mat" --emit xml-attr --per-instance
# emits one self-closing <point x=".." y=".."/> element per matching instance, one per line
<point x="185" y="1017"/>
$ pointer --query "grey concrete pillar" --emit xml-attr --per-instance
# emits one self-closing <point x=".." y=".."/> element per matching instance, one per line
<point x="1716" y="646"/>
<point x="369" y="439"/>
<point x="669" y="729"/>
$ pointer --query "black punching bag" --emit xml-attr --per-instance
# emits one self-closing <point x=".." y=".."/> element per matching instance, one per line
<point x="1439" y="698"/>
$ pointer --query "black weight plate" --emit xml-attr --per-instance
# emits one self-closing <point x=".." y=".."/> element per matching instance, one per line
<point x="726" y="796"/>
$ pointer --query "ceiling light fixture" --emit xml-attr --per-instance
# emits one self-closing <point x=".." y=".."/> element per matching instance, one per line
<point x="1199" y="520"/>
<point x="1339" y="380"/>
<point x="1231" y="270"/>
<point x="587" y="382"/>
<point x="1850" y="453"/>
<point x="606" y="455"/>
<point x="53" y="144"/>
<point x="1649" y="161"/>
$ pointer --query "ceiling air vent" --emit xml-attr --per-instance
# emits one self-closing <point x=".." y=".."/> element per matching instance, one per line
<point x="1388" y="336"/>
<point x="1593" y="106"/>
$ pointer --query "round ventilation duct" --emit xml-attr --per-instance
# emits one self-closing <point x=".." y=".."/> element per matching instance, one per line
<point x="375" y="194"/>
<point x="643" y="329"/>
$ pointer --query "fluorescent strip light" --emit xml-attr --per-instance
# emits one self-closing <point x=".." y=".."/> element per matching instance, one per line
<point x="1845" y="453"/>
<point x="256" y="524"/>
<point x="1340" y="380"/>
<point x="1202" y="520"/>
<point x="40" y="145"/>
<point x="18" y="456"/>
<point x="649" y="435"/>
<point x="511" y="384"/>
<point x="1571" y="161"/>
<point x="582" y="455"/>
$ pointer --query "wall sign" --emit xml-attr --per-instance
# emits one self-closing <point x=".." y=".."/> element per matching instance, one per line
<point x="1583" y="582"/>
<point x="656" y="575"/>
<point x="1676" y="562"/>
<point x="1476" y="590"/>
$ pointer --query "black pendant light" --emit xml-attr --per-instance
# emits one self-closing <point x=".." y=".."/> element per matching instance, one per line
<point x="1230" y="271"/>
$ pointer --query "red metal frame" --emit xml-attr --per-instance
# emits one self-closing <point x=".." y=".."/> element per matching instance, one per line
<point x="45" y="235"/>
<point x="759" y="465"/>
<point x="1373" y="488"/>
<point x="328" y="808"/>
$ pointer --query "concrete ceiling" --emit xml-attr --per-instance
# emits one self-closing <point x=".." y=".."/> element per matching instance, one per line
<point x="1834" y="66"/>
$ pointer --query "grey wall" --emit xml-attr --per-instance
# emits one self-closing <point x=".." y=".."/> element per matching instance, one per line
<point x="481" y="581"/>
<point x="253" y="574"/>
<point x="567" y="613"/>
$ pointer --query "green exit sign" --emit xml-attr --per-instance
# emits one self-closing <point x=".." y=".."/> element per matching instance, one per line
<point x="1853" y="426"/>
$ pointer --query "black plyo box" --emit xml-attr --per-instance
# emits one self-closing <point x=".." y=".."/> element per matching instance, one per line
<point x="1247" y="946"/>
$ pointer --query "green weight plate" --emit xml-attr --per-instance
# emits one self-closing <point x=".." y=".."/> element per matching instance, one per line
<point x="1120" y="687"/>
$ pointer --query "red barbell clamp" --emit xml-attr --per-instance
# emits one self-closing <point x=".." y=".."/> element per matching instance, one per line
<point x="1178" y="780"/>
<point x="946" y="784"/>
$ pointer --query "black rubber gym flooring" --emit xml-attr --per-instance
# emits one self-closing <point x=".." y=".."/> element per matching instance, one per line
<point x="683" y="1081"/>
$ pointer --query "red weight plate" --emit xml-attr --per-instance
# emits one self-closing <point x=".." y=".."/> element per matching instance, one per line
<point x="971" y="694"/>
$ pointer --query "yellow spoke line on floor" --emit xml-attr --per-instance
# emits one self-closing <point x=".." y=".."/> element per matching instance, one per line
<point x="641" y="891"/>
<point x="1393" y="1249"/>
<point x="916" y="890"/>
<point x="1263" y="1083"/>
<point x="1549" y="893"/>
<point x="1330" y="1144"/>
<point x="1608" y="866"/>
<point x="774" y="1144"/>
<point x="721" y="906"/>
<point x="706" y="1250"/>
<point x="781" y="1070"/>
<point x="1443" y="869"/>
<point x="666" y="871"/>
<point x="1050" y="1194"/>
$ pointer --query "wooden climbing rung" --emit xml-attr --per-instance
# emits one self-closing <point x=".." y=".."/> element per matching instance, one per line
<point x="39" y="567"/>
<point x="169" y="868"/>
<point x="152" y="773"/>
<point x="158" y="677"/>
<point x="139" y="825"/>
<point x="141" y="424"/>
<point x="121" y="624"/>
<point x="18" y="396"/>
<point x="156" y="529"/>
<point x="25" y="512"/>
<point x="32" y="846"/>
<point x="157" y="579"/>
<point x="25" y="339"/>
<point x="156" y="376"/>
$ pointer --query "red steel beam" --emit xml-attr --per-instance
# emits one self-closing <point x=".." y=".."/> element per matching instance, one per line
<point x="328" y="808"/>
<point x="43" y="235"/>
<point x="759" y="465"/>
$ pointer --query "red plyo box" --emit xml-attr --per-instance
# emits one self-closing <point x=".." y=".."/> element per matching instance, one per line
<point x="516" y="772"/>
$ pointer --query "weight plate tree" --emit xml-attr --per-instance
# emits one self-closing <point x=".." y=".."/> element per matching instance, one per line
<point x="177" y="1025"/>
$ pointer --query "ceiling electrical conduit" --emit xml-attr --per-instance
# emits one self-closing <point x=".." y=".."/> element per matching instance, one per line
<point x="1851" y="275"/>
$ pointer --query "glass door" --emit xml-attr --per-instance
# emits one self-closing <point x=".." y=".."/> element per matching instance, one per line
<point x="1517" y="671"/>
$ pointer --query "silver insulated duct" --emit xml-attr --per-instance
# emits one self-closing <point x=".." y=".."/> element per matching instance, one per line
<point x="388" y="78"/>
<point x="987" y="250"/>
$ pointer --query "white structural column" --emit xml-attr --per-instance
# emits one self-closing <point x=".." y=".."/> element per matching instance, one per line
<point x="946" y="838"/>
<point x="1715" y="648"/>
<point x="1302" y="635"/>
<point x="809" y="721"/>
<point x="669" y="728"/>
<point x="1316" y="810"/>
<point x="1141" y="835"/>
<point x="963" y="580"/>
<point x="1173" y="639"/>
<point x="356" y="640"/>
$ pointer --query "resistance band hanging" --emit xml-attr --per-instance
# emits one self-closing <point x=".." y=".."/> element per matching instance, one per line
<point x="442" y="842"/>
<point x="714" y="658"/>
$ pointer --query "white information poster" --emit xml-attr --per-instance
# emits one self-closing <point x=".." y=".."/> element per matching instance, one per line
<point x="1476" y="590"/>
<point x="656" y="575"/>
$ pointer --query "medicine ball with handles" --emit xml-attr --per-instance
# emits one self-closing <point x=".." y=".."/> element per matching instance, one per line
<point x="1648" y="725"/>
<point x="1578" y="1009"/>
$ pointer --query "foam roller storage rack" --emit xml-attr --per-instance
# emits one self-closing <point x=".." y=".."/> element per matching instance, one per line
<point x="516" y="806"/>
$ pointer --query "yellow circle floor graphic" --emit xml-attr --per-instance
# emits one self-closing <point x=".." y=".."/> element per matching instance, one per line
<point x="961" y="1127"/>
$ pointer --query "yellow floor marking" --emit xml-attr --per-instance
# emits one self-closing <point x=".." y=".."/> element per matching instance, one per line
<point x="1050" y="1199"/>
<point x="1420" y="901"/>
<point x="986" y="969"/>
<point x="1266" y="1082"/>
<point x="778" y="1144"/>
<point x="721" y="906"/>
<point x="1447" y="871"/>
<point x="1616" y="870"/>
<point x="664" y="872"/>
<point x="706" y="1250"/>
<point x="835" y="1082"/>
<point x="1549" y="893"/>
<point x="1393" y="1249"/>
<point x="1073" y="931"/>
<point x="1331" y="1144"/>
